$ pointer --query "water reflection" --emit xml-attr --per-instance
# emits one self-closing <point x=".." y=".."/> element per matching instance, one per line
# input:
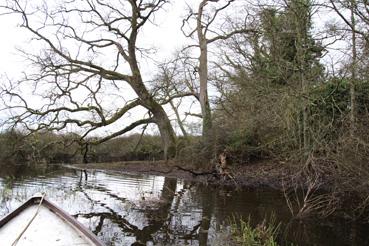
<point x="126" y="209"/>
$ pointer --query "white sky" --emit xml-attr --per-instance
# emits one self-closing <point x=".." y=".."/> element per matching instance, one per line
<point x="12" y="37"/>
<point x="165" y="36"/>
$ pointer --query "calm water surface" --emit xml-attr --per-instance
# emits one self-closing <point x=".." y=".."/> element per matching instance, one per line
<point x="127" y="209"/>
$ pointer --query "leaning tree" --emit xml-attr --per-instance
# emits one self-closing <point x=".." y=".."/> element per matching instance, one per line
<point x="84" y="54"/>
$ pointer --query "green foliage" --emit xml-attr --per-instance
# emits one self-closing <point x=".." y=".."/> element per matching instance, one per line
<point x="331" y="100"/>
<point x="285" y="45"/>
<point x="242" y="146"/>
<point x="329" y="109"/>
<point x="11" y="147"/>
<point x="239" y="139"/>
<point x="263" y="234"/>
<point x="329" y="105"/>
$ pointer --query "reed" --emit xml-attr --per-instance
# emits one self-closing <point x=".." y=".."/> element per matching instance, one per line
<point x="263" y="234"/>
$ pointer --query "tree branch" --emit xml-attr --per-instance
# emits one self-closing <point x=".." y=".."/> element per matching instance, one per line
<point x="124" y="130"/>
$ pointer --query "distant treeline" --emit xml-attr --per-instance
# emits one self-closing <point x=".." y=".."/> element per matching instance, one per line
<point x="47" y="147"/>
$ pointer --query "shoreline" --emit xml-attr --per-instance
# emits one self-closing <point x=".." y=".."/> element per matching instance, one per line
<point x="263" y="174"/>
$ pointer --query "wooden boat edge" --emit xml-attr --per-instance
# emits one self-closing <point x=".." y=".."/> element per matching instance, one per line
<point x="56" y="210"/>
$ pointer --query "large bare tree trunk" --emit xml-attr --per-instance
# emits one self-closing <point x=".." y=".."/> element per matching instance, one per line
<point x="166" y="131"/>
<point x="203" y="75"/>
<point x="160" y="117"/>
<point x="203" y="97"/>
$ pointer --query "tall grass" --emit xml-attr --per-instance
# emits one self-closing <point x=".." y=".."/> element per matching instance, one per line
<point x="263" y="234"/>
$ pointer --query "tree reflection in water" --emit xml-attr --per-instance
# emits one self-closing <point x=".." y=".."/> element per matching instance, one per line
<point x="158" y="215"/>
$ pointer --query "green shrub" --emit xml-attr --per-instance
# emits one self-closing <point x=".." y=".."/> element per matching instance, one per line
<point x="263" y="234"/>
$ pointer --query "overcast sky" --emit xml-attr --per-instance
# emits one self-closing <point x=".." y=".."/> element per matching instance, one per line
<point x="166" y="37"/>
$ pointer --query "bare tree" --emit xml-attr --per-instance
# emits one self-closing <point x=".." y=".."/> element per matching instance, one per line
<point x="357" y="23"/>
<point x="88" y="49"/>
<point x="353" y="70"/>
<point x="202" y="27"/>
<point x="171" y="87"/>
<point x="358" y="19"/>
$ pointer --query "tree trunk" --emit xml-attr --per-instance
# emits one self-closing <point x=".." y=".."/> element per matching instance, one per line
<point x="353" y="72"/>
<point x="204" y="98"/>
<point x="203" y="76"/>
<point x="301" y="19"/>
<point x="166" y="131"/>
<point x="161" y="119"/>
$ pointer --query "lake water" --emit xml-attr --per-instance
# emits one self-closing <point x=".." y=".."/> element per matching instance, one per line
<point x="125" y="209"/>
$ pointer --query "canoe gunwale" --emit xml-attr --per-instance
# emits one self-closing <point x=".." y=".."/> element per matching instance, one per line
<point x="58" y="212"/>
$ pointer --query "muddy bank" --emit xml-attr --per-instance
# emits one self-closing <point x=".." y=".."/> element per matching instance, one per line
<point x="271" y="174"/>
